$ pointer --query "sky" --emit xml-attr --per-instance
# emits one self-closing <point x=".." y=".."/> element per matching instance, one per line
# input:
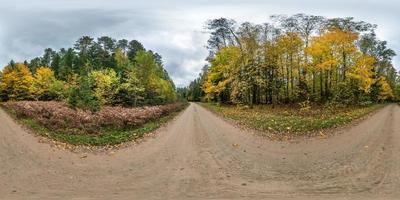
<point x="173" y="28"/>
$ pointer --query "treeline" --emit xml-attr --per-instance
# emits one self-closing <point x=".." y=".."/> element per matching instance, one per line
<point x="194" y="91"/>
<point x="296" y="59"/>
<point x="92" y="73"/>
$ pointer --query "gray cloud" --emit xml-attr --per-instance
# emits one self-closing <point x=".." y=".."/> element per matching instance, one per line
<point x="27" y="35"/>
<point x="172" y="28"/>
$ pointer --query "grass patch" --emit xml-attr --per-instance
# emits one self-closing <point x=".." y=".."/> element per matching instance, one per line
<point x="291" y="119"/>
<point x="107" y="136"/>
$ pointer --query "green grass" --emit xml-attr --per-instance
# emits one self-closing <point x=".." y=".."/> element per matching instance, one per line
<point x="107" y="136"/>
<point x="291" y="119"/>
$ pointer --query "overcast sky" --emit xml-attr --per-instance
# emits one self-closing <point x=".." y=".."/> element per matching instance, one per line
<point x="172" y="28"/>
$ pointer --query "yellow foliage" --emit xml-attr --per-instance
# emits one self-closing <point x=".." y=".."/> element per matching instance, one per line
<point x="73" y="80"/>
<point x="16" y="82"/>
<point x="362" y="72"/>
<point x="385" y="89"/>
<point x="102" y="83"/>
<point x="327" y="49"/>
<point x="164" y="89"/>
<point x="43" y="80"/>
<point x="222" y="66"/>
<point x="290" y="43"/>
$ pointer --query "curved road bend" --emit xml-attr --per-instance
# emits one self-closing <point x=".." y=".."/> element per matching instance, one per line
<point x="200" y="156"/>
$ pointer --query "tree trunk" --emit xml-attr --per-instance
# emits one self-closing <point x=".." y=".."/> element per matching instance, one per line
<point x="326" y="85"/>
<point x="313" y="81"/>
<point x="291" y="75"/>
<point x="321" y="74"/>
<point x="344" y="66"/>
<point x="287" y="83"/>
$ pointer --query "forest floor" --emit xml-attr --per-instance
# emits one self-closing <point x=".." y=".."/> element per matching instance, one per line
<point x="198" y="155"/>
<point x="283" y="122"/>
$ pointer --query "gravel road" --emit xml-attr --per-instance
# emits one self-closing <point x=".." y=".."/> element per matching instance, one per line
<point x="201" y="156"/>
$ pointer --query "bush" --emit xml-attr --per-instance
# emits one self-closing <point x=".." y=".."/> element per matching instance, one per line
<point x="57" y="90"/>
<point x="59" y="117"/>
<point x="83" y="98"/>
<point x="343" y="94"/>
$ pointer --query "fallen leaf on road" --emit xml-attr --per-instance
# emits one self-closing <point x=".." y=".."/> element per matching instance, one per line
<point x="322" y="134"/>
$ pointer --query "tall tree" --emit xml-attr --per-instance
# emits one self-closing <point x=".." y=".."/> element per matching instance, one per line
<point x="134" y="47"/>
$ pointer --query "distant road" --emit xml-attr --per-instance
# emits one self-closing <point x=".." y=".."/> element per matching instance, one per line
<point x="200" y="156"/>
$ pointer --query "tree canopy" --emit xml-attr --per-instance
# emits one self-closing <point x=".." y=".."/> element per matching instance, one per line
<point x="294" y="59"/>
<point x="105" y="71"/>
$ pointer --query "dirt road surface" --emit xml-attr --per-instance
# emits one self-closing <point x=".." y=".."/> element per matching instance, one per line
<point x="200" y="156"/>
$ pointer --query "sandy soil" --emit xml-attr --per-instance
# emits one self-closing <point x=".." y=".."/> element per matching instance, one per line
<point x="200" y="156"/>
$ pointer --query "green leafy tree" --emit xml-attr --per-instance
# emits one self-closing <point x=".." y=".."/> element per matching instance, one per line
<point x="83" y="97"/>
<point x="134" y="47"/>
<point x="130" y="92"/>
<point x="122" y="61"/>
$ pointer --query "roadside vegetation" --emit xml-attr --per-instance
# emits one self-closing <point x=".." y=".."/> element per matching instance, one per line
<point x="111" y="125"/>
<point x="99" y="92"/>
<point x="289" y="119"/>
<point x="296" y="74"/>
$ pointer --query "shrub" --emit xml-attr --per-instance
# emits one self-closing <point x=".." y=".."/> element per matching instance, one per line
<point x="344" y="94"/>
<point x="59" y="117"/>
<point x="57" y="90"/>
<point x="83" y="98"/>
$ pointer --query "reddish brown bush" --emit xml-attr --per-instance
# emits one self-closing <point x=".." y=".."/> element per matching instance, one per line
<point x="58" y="116"/>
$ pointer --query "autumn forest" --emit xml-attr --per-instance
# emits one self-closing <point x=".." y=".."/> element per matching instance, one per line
<point x="315" y="72"/>
<point x="301" y="107"/>
<point x="91" y="74"/>
<point x="296" y="59"/>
